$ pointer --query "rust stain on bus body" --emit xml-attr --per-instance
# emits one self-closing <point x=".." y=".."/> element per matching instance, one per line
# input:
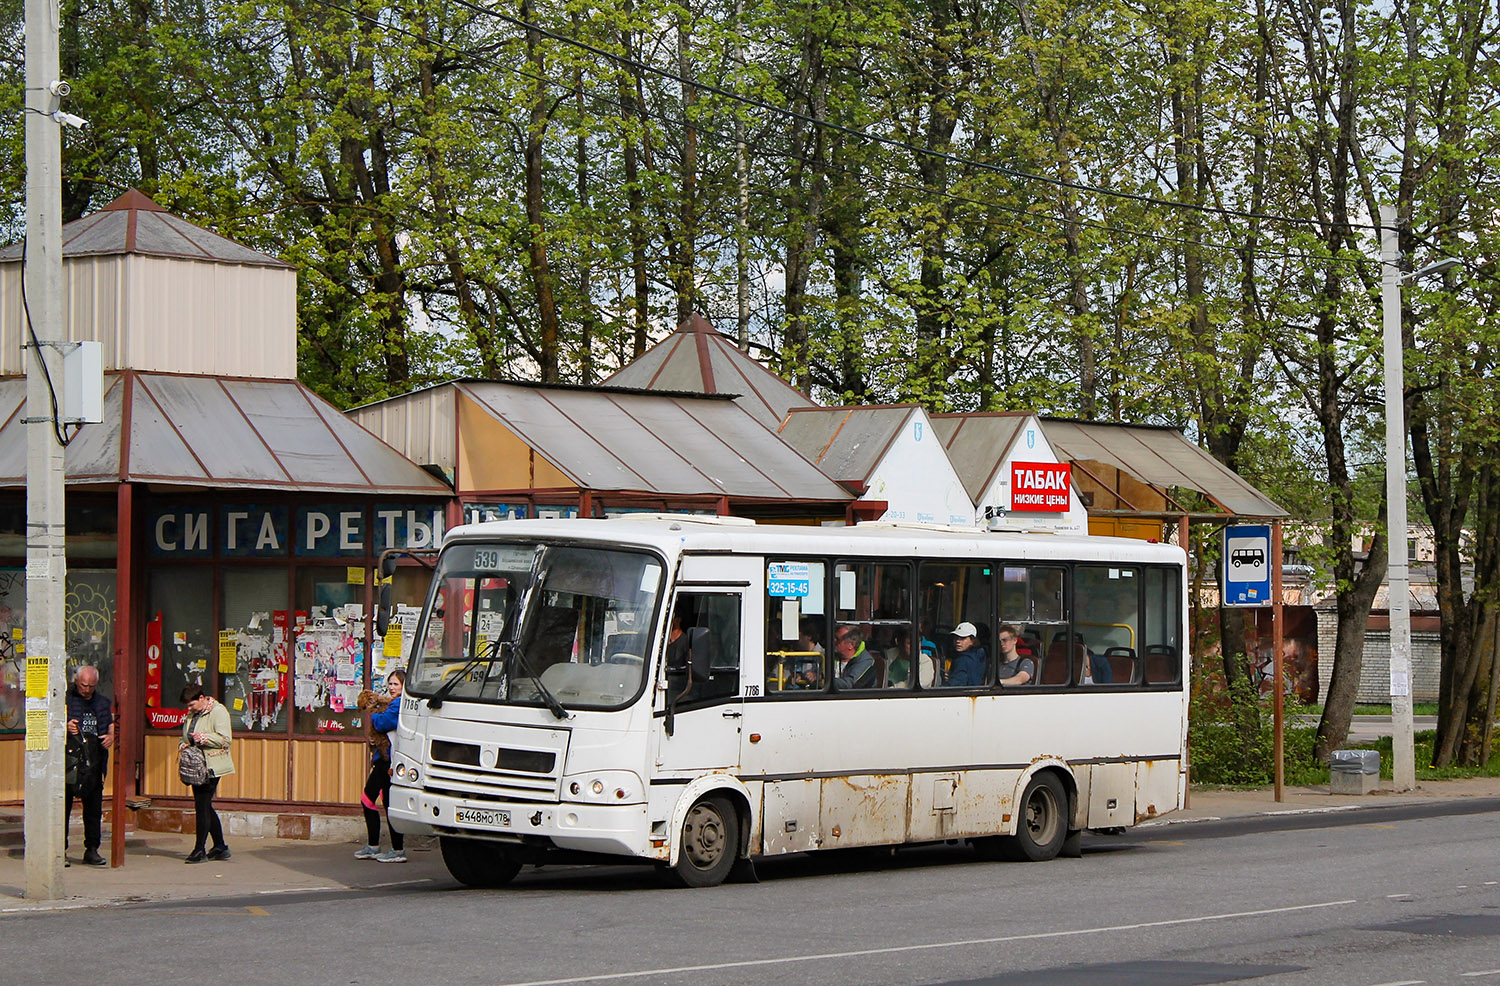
<point x="1149" y="784"/>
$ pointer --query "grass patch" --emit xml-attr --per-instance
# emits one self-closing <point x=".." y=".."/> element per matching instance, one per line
<point x="1221" y="759"/>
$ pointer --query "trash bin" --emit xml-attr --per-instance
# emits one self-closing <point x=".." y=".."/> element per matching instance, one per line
<point x="1353" y="771"/>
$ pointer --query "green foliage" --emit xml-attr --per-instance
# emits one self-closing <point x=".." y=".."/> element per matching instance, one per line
<point x="1220" y="757"/>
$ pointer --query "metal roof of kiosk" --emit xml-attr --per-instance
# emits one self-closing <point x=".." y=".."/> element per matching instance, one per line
<point x="847" y="443"/>
<point x="977" y="444"/>
<point x="1161" y="457"/>
<point x="696" y="358"/>
<point x="607" y="439"/>
<point x="218" y="432"/>
<point x="133" y="223"/>
<point x="1157" y="456"/>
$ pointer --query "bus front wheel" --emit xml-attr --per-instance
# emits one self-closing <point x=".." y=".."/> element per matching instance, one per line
<point x="477" y="864"/>
<point x="1044" y="821"/>
<point x="710" y="844"/>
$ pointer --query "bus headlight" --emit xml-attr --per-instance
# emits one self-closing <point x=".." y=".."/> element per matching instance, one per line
<point x="404" y="772"/>
<point x="613" y="787"/>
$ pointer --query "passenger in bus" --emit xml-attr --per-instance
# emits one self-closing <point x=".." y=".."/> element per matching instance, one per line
<point x="1095" y="668"/>
<point x="1014" y="669"/>
<point x="677" y="654"/>
<point x="856" y="665"/>
<point x="898" y="661"/>
<point x="808" y="636"/>
<point x="970" y="658"/>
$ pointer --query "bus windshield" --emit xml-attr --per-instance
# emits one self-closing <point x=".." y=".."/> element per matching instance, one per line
<point x="531" y="623"/>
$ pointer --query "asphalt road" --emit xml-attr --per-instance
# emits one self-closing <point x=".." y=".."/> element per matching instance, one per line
<point x="1408" y="894"/>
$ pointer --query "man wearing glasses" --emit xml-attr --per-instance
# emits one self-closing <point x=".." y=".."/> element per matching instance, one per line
<point x="856" y="667"/>
<point x="91" y="733"/>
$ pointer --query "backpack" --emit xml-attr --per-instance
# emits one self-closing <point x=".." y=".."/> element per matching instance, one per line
<point x="192" y="766"/>
<point x="192" y="762"/>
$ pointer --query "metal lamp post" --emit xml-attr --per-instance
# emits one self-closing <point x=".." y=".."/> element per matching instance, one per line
<point x="1398" y="580"/>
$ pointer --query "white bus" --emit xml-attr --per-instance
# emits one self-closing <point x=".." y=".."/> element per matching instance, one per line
<point x="699" y="691"/>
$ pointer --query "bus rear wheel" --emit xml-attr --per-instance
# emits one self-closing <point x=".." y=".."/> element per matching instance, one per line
<point x="1043" y="824"/>
<point x="477" y="864"/>
<point x="710" y="844"/>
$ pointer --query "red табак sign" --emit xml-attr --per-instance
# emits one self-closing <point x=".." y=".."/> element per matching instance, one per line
<point x="1040" y="486"/>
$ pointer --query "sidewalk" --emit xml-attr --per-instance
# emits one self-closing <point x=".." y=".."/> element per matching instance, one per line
<point x="154" y="870"/>
<point x="1206" y="804"/>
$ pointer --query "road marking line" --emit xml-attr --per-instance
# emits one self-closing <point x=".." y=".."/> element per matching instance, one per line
<point x="395" y="883"/>
<point x="1486" y="972"/>
<point x="259" y="912"/>
<point x="1404" y="982"/>
<point x="895" y="949"/>
<point x="301" y="890"/>
<point x="1397" y="897"/>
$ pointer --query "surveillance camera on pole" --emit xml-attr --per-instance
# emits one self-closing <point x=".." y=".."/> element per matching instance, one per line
<point x="76" y="122"/>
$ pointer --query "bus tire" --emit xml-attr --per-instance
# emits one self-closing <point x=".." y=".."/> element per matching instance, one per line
<point x="477" y="864"/>
<point x="710" y="844"/>
<point x="1043" y="825"/>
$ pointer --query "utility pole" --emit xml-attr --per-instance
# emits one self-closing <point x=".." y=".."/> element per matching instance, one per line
<point x="1398" y="578"/>
<point x="46" y="565"/>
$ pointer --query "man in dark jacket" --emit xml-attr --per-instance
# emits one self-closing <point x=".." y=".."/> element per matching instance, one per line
<point x="91" y="734"/>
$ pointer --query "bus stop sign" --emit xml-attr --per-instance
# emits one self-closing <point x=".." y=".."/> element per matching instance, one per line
<point x="1247" y="565"/>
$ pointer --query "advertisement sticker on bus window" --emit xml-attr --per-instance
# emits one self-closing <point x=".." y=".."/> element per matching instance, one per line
<point x="788" y="578"/>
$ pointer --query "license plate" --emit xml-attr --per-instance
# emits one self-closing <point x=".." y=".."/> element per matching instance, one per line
<point x="488" y="817"/>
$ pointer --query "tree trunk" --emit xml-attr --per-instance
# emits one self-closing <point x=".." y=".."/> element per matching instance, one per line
<point x="536" y="217"/>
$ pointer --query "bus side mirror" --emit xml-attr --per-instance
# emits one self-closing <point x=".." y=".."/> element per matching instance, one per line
<point x="383" y="610"/>
<point x="387" y="565"/>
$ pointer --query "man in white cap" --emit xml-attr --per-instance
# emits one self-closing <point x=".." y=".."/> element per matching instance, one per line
<point x="969" y="659"/>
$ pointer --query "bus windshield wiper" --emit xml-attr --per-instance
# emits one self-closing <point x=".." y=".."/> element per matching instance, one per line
<point x="557" y="708"/>
<point x="435" y="700"/>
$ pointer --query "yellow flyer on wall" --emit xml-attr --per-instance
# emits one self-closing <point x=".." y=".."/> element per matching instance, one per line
<point x="229" y="654"/>
<point x="37" y="671"/>
<point x="36" y="729"/>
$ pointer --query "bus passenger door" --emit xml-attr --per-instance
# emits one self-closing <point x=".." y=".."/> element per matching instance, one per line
<point x="709" y="623"/>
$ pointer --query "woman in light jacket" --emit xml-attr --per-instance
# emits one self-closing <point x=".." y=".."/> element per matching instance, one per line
<point x="207" y="725"/>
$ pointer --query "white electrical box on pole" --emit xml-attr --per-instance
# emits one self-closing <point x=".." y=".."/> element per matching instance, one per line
<point x="46" y="566"/>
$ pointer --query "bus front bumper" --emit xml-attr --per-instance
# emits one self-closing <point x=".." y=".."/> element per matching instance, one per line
<point x="620" y="830"/>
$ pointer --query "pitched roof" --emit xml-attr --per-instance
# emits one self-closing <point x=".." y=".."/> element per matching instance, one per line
<point x="697" y="358"/>
<point x="977" y="444"/>
<point x="217" y="432"/>
<point x="134" y="224"/>
<point x="1159" y="456"/>
<point x="672" y="444"/>
<point x="847" y="443"/>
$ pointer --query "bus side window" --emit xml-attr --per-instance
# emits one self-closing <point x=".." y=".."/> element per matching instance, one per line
<point x="1162" y="663"/>
<point x="797" y="627"/>
<point x="710" y="622"/>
